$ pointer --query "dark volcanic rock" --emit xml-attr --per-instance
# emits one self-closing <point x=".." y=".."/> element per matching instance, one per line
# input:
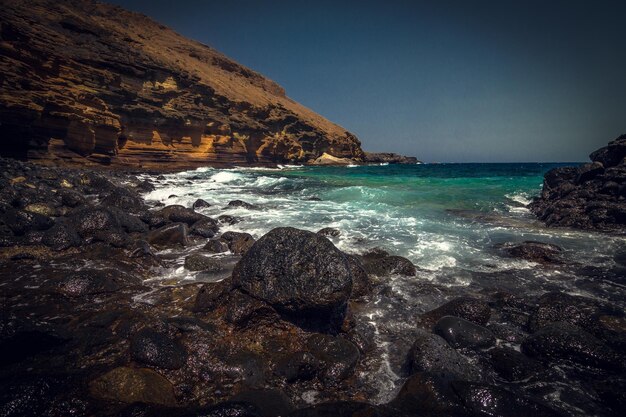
<point x="563" y="341"/>
<point x="460" y="333"/>
<point x="298" y="366"/>
<point x="181" y="214"/>
<point x="300" y="273"/>
<point x="243" y="310"/>
<point x="468" y="308"/>
<point x="204" y="228"/>
<point x="513" y="365"/>
<point x="487" y="400"/>
<point x="211" y="295"/>
<point x="431" y="353"/>
<point x="388" y="265"/>
<point x="337" y="355"/>
<point x="561" y="307"/>
<point x="169" y="235"/>
<point x="329" y="232"/>
<point x="131" y="385"/>
<point x="61" y="236"/>
<point x="242" y="204"/>
<point x="215" y="246"/>
<point x="427" y="393"/>
<point x="587" y="197"/>
<point x="533" y="251"/>
<point x="361" y="283"/>
<point x="200" y="203"/>
<point x="199" y="262"/>
<point x="157" y="349"/>
<point x="95" y="281"/>
<point x="268" y="402"/>
<point x="238" y="243"/>
<point x="21" y="221"/>
<point x="389" y="158"/>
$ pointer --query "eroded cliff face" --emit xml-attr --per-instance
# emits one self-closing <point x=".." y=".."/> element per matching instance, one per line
<point x="88" y="82"/>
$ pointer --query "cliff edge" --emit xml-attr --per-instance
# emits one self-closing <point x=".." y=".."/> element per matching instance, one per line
<point x="91" y="83"/>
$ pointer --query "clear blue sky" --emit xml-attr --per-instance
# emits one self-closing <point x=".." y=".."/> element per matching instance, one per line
<point x="448" y="81"/>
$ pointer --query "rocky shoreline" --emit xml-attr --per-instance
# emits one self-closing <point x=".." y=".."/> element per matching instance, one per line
<point x="591" y="196"/>
<point x="276" y="325"/>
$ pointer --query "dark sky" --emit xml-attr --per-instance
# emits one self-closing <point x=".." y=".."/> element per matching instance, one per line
<point x="447" y="81"/>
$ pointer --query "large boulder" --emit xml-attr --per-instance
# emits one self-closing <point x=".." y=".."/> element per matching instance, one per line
<point x="158" y="349"/>
<point x="337" y="355"/>
<point x="468" y="308"/>
<point x="300" y="273"/>
<point x="181" y="214"/>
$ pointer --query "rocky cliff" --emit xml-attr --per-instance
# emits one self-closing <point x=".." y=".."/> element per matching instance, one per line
<point x="591" y="196"/>
<point x="87" y="82"/>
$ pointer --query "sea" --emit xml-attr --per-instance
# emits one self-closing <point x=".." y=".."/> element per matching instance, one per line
<point x="450" y="220"/>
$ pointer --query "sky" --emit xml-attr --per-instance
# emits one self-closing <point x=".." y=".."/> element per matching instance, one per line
<point x="445" y="81"/>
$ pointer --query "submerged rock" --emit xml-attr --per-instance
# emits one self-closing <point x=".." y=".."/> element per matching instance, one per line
<point x="544" y="253"/>
<point x="329" y="232"/>
<point x="204" y="228"/>
<point x="387" y="265"/>
<point x="513" y="365"/>
<point x="427" y="393"/>
<point x="242" y="204"/>
<point x="298" y="366"/>
<point x="200" y="203"/>
<point x="300" y="273"/>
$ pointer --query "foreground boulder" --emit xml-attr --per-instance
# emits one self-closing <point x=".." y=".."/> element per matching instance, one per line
<point x="169" y="235"/>
<point x="300" y="273"/>
<point x="468" y="308"/>
<point x="460" y="333"/>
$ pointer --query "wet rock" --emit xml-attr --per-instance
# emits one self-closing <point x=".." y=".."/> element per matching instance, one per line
<point x="329" y="232"/>
<point x="242" y="204"/>
<point x="300" y="273"/>
<point x="431" y="353"/>
<point x="157" y="349"/>
<point x="169" y="235"/>
<point x="238" y="243"/>
<point x="483" y="399"/>
<point x="298" y="366"/>
<point x="564" y="341"/>
<point x="561" y="307"/>
<point x="375" y="253"/>
<point x="20" y="221"/>
<point x="248" y="367"/>
<point x="211" y="295"/>
<point x="204" y="228"/>
<point x="215" y="246"/>
<point x="61" y="236"/>
<point x="468" y="308"/>
<point x="100" y="224"/>
<point x="200" y="203"/>
<point x="140" y="249"/>
<point x="460" y="333"/>
<point x="199" y="262"/>
<point x="361" y="283"/>
<point x="130" y="385"/>
<point x="145" y="186"/>
<point x="389" y="265"/>
<point x="337" y="355"/>
<point x="180" y="214"/>
<point x="243" y="310"/>
<point x="95" y="281"/>
<point x="513" y="365"/>
<point x="124" y="199"/>
<point x="429" y="394"/>
<point x="227" y="219"/>
<point x="268" y="402"/>
<point x="534" y="251"/>
<point x="612" y="393"/>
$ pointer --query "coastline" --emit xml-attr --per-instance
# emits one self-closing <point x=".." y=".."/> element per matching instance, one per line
<point x="201" y="343"/>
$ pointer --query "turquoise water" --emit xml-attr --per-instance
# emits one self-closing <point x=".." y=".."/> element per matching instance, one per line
<point x="448" y="219"/>
<point x="440" y="216"/>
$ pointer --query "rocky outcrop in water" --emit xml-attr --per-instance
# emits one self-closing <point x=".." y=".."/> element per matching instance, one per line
<point x="591" y="196"/>
<point x="91" y="83"/>
<point x="389" y="158"/>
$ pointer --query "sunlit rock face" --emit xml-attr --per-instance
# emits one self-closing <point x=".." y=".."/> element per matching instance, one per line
<point x="93" y="83"/>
